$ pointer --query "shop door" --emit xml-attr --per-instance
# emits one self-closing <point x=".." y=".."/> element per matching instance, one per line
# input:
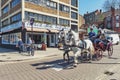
<point x="48" y="41"/>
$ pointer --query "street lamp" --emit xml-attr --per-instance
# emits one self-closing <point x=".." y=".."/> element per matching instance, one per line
<point x="31" y="23"/>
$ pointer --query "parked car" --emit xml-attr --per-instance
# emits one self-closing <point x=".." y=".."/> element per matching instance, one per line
<point x="114" y="37"/>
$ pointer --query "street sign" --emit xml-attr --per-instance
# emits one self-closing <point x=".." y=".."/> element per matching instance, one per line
<point x="31" y="21"/>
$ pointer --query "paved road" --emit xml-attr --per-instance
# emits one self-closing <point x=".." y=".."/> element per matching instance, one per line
<point x="54" y="68"/>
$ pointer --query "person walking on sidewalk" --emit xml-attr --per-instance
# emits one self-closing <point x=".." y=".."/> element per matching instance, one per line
<point x="20" y="45"/>
<point x="29" y="48"/>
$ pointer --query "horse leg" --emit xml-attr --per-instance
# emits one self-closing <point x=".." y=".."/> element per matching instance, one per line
<point x="64" y="55"/>
<point x="82" y="55"/>
<point x="76" y="58"/>
<point x="68" y="58"/>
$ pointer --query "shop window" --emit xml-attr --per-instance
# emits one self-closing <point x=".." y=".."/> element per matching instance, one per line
<point x="11" y="38"/>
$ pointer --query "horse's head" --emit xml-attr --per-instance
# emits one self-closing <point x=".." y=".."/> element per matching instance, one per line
<point x="72" y="37"/>
<point x="61" y="36"/>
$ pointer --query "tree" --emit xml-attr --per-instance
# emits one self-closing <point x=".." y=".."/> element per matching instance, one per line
<point x="111" y="3"/>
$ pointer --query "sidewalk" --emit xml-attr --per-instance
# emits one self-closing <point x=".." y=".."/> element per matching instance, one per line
<point x="12" y="55"/>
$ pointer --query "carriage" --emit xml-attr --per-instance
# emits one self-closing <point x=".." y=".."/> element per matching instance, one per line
<point x="100" y="48"/>
<point x="70" y="38"/>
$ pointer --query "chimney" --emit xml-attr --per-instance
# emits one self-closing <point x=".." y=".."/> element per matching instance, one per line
<point x="100" y="10"/>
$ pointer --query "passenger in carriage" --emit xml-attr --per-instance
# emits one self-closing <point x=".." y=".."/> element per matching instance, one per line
<point x="104" y="40"/>
<point x="98" y="38"/>
<point x="91" y="35"/>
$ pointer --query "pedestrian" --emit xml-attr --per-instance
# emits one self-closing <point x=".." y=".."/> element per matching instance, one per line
<point x="20" y="45"/>
<point x="29" y="46"/>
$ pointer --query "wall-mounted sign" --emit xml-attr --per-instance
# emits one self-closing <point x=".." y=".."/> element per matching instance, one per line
<point x="46" y="26"/>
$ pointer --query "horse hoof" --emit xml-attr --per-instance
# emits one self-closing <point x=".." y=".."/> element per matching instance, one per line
<point x="75" y="65"/>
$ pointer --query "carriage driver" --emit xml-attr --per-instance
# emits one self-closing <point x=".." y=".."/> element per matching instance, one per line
<point x="91" y="35"/>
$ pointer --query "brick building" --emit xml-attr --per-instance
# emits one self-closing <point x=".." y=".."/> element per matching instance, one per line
<point x="50" y="16"/>
<point x="96" y="17"/>
<point x="81" y="21"/>
<point x="112" y="20"/>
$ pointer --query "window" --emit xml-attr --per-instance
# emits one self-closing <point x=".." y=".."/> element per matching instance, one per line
<point x="5" y="10"/>
<point x="74" y="3"/>
<point x="10" y="38"/>
<point x="54" y="20"/>
<point x="117" y="18"/>
<point x="40" y="17"/>
<point x="16" y="18"/>
<point x="26" y="15"/>
<point x="44" y="18"/>
<point x="47" y="3"/>
<point x="74" y="15"/>
<point x="14" y="3"/>
<point x="5" y="23"/>
<point x="64" y="22"/>
<point x="117" y="24"/>
<point x="64" y="8"/>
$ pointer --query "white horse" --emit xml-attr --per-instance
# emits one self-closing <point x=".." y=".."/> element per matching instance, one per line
<point x="71" y="39"/>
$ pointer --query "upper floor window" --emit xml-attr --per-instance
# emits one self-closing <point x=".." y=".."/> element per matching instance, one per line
<point x="74" y="15"/>
<point x="47" y="3"/>
<point x="64" y="8"/>
<point x="117" y="18"/>
<point x="5" y="23"/>
<point x="5" y="10"/>
<point x="16" y="18"/>
<point x="14" y="3"/>
<point x="74" y="3"/>
<point x="64" y="22"/>
<point x="41" y="18"/>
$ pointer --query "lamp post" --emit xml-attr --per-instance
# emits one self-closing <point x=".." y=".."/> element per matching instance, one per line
<point x="32" y="47"/>
<point x="31" y="23"/>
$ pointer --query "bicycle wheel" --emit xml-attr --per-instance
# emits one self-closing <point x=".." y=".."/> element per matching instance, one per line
<point x="110" y="50"/>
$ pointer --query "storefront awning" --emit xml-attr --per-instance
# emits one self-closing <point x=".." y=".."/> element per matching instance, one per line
<point x="37" y="29"/>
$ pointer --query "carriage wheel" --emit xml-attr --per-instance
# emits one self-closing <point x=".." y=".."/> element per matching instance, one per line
<point x="99" y="54"/>
<point x="110" y="50"/>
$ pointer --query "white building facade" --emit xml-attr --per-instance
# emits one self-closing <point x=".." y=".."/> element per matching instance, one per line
<point x="50" y="16"/>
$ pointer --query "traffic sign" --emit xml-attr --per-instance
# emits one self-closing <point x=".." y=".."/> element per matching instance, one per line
<point x="31" y="21"/>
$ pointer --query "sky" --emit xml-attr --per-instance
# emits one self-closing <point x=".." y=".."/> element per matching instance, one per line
<point x="90" y="5"/>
